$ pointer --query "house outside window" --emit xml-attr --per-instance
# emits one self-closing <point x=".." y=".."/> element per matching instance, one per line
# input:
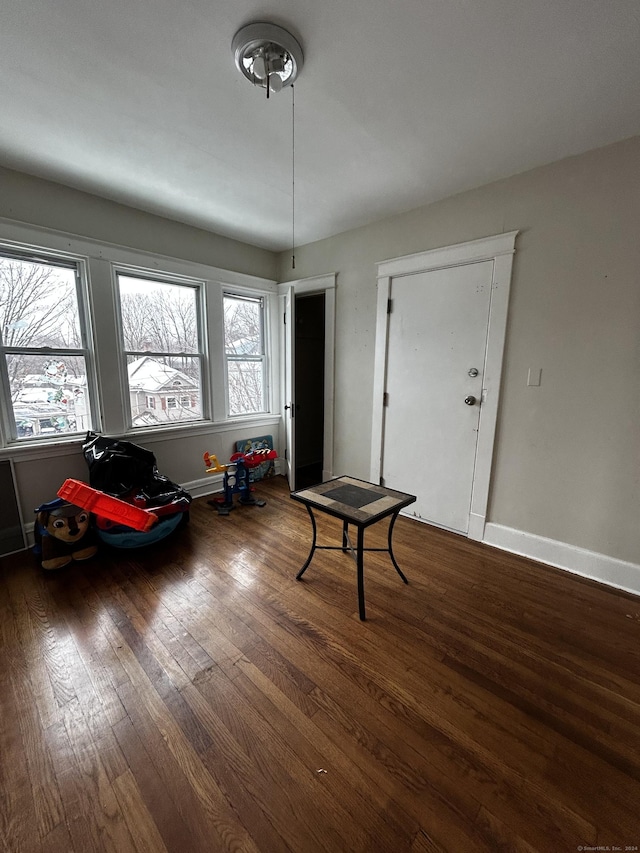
<point x="245" y="354"/>
<point x="45" y="359"/>
<point x="163" y="348"/>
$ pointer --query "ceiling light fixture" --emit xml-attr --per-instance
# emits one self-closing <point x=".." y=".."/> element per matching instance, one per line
<point x="270" y="57"/>
<point x="267" y="55"/>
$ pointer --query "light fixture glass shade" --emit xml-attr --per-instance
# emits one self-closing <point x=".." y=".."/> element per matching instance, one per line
<point x="275" y="82"/>
<point x="259" y="68"/>
<point x="262" y="51"/>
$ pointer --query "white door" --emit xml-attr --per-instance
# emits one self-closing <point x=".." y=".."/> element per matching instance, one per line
<point x="437" y="340"/>
<point x="289" y="381"/>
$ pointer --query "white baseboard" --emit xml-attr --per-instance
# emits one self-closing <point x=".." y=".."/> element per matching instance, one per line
<point x="204" y="486"/>
<point x="29" y="534"/>
<point x="476" y="526"/>
<point x="579" y="561"/>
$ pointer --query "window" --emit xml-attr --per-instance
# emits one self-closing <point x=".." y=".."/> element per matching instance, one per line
<point x="177" y="343"/>
<point x="44" y="361"/>
<point x="245" y="354"/>
<point x="160" y="323"/>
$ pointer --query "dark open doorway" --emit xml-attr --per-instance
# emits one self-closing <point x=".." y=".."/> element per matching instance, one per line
<point x="309" y="389"/>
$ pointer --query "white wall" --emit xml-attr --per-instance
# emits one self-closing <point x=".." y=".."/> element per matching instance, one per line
<point x="31" y="200"/>
<point x="567" y="460"/>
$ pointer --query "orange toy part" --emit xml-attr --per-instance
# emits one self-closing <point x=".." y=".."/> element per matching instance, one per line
<point x="212" y="465"/>
<point x="114" y="509"/>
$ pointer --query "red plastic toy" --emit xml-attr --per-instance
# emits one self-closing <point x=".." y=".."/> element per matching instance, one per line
<point x="250" y="460"/>
<point x="254" y="457"/>
<point x="114" y="509"/>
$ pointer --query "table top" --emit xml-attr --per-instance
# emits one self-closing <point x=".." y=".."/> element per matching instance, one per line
<point x="353" y="500"/>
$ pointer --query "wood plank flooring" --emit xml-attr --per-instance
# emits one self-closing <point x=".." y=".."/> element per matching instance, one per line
<point x="194" y="697"/>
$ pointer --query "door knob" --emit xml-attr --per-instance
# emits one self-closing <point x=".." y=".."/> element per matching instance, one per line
<point x="470" y="400"/>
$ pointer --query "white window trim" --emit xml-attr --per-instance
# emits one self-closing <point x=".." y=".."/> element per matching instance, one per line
<point x="202" y="354"/>
<point x="264" y="358"/>
<point x="100" y="259"/>
<point x="29" y="251"/>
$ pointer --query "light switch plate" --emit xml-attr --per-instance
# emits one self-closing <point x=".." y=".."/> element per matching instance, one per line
<point x="534" y="376"/>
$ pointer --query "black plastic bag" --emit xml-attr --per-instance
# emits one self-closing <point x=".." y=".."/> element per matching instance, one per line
<point x="121" y="468"/>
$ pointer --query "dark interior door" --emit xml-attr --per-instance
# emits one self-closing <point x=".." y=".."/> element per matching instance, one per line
<point x="309" y="389"/>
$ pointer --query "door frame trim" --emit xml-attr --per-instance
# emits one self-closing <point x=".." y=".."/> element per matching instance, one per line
<point x="499" y="249"/>
<point x="320" y="284"/>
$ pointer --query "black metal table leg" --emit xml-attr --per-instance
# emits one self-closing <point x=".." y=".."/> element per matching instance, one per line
<point x="390" y="540"/>
<point x="345" y="536"/>
<point x="313" y="544"/>
<point x="360" y="564"/>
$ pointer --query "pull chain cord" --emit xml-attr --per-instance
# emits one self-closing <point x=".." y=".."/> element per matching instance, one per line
<point x="293" y="178"/>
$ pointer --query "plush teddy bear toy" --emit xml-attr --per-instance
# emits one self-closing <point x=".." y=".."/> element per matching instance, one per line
<point x="63" y="533"/>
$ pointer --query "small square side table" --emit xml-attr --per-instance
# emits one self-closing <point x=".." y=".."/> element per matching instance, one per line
<point x="359" y="503"/>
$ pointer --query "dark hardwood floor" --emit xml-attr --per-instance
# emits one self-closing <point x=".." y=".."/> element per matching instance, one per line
<point x="193" y="697"/>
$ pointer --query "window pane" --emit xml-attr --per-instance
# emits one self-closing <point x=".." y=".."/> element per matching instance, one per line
<point x="164" y="391"/>
<point x="244" y="348"/>
<point x="38" y="305"/>
<point x="48" y="395"/>
<point x="242" y="326"/>
<point x="246" y="387"/>
<point x="158" y="317"/>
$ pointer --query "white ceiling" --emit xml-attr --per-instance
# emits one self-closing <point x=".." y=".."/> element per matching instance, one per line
<point x="399" y="103"/>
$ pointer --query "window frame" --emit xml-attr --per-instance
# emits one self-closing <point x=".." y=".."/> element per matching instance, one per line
<point x="107" y="392"/>
<point x="263" y="358"/>
<point x="78" y="264"/>
<point x="200" y="354"/>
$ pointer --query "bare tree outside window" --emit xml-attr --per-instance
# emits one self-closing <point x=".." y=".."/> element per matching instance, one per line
<point x="244" y="348"/>
<point x="161" y="318"/>
<point x="44" y="359"/>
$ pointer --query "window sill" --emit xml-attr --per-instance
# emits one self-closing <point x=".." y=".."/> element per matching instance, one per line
<point x="42" y="449"/>
<point x="73" y="444"/>
<point x="201" y="428"/>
